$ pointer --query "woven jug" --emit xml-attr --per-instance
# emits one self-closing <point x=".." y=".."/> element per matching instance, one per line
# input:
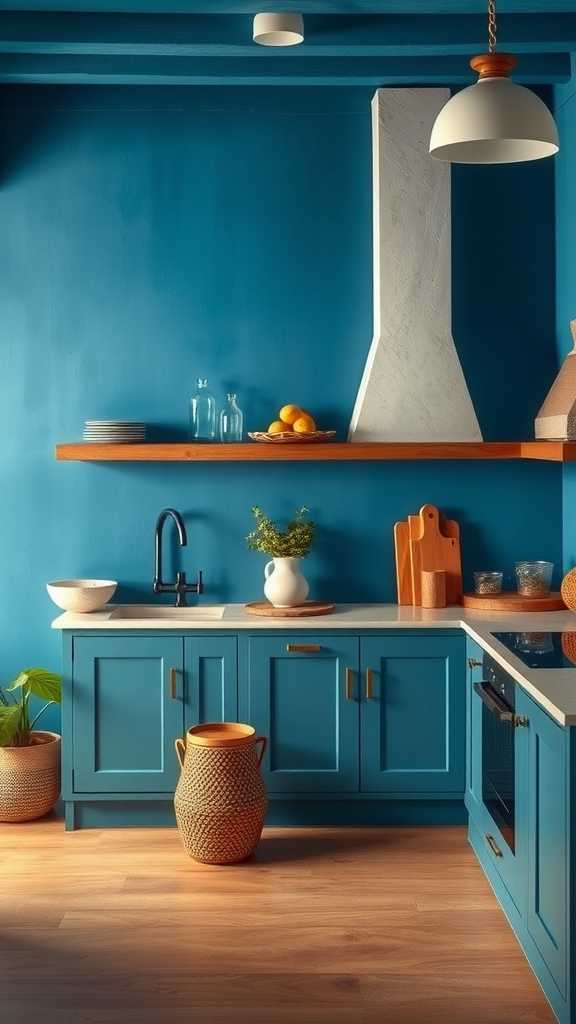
<point x="220" y="799"/>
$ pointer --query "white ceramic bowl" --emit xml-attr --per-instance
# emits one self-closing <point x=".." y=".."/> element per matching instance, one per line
<point x="81" y="595"/>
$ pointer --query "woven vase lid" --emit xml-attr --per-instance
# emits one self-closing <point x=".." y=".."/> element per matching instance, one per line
<point x="220" y="734"/>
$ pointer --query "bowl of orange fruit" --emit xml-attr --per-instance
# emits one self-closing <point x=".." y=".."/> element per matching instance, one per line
<point x="294" y="425"/>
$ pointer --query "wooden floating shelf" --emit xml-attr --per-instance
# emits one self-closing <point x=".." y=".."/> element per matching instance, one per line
<point x="549" y="451"/>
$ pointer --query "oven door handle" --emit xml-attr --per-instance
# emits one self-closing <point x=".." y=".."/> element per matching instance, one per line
<point x="494" y="703"/>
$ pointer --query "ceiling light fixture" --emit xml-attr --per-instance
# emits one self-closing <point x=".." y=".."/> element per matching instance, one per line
<point x="278" y="29"/>
<point x="494" y="121"/>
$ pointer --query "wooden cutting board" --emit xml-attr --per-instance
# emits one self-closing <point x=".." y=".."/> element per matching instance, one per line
<point x="403" y="566"/>
<point x="451" y="529"/>
<point x="435" y="544"/>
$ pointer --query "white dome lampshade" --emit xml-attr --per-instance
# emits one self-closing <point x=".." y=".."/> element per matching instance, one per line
<point x="494" y="121"/>
<point x="278" y="29"/>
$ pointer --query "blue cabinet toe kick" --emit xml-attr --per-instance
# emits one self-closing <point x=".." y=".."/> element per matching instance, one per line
<point x="291" y="812"/>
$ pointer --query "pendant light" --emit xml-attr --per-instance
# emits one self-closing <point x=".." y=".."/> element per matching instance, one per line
<point x="280" y="28"/>
<point x="494" y="121"/>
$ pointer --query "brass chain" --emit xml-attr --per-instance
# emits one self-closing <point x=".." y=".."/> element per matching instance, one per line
<point x="492" y="27"/>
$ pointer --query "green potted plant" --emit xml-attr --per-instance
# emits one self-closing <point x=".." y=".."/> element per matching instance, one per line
<point x="29" y="759"/>
<point x="285" y="585"/>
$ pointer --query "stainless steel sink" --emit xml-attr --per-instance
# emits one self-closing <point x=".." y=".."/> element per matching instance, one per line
<point x="162" y="611"/>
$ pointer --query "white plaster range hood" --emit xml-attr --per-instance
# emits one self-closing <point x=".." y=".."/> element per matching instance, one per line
<point x="413" y="387"/>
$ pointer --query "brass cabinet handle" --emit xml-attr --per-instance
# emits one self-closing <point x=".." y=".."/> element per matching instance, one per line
<point x="474" y="663"/>
<point x="493" y="845"/>
<point x="303" y="648"/>
<point x="173" y="672"/>
<point x="349" y="684"/>
<point x="369" y="684"/>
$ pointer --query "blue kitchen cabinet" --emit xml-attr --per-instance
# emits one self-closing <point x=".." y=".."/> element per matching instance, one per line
<point x="301" y="691"/>
<point x="412" y="714"/>
<point x="546" y="829"/>
<point x="211" y="679"/>
<point x="529" y="866"/>
<point x="127" y="710"/>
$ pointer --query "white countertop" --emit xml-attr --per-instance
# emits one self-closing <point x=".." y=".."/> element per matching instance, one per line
<point x="553" y="689"/>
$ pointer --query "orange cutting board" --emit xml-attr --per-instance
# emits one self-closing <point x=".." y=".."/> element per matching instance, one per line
<point x="403" y="566"/>
<point x="435" y="544"/>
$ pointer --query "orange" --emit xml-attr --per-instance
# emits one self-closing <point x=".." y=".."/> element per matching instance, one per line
<point x="278" y="427"/>
<point x="304" y="425"/>
<point x="289" y="413"/>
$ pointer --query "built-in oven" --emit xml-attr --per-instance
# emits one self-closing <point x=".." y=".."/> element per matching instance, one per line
<point x="497" y="794"/>
<point x="496" y="690"/>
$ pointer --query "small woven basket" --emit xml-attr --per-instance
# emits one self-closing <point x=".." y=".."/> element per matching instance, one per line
<point x="220" y="800"/>
<point x="30" y="778"/>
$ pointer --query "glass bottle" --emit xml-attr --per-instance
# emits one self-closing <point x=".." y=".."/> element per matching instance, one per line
<point x="231" y="420"/>
<point x="203" y="413"/>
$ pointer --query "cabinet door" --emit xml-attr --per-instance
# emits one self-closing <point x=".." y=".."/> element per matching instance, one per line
<point x="127" y="711"/>
<point x="547" y="837"/>
<point x="302" y="694"/>
<point x="413" y="718"/>
<point x="211" y="679"/>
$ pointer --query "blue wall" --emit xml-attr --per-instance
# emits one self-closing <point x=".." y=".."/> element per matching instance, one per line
<point x="151" y="236"/>
<point x="565" y="112"/>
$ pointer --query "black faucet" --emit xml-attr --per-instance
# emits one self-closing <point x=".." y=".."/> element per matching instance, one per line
<point x="180" y="587"/>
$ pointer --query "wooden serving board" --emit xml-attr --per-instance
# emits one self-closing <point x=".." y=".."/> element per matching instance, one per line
<point x="403" y="568"/>
<point x="435" y="544"/>
<point x="298" y="610"/>
<point x="513" y="602"/>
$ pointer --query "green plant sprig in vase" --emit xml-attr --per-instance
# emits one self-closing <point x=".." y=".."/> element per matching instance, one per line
<point x="294" y="542"/>
<point x="285" y="586"/>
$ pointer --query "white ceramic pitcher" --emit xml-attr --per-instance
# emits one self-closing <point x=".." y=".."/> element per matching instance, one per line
<point x="285" y="585"/>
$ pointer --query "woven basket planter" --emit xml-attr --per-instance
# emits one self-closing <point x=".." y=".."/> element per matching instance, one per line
<point x="30" y="778"/>
<point x="220" y="799"/>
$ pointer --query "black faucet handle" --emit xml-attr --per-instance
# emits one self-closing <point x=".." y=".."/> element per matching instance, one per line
<point x="180" y="589"/>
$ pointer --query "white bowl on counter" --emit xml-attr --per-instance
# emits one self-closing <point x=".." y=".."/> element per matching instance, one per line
<point x="81" y="595"/>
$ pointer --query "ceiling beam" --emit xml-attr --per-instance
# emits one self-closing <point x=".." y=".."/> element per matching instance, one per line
<point x="328" y="71"/>
<point x="230" y="35"/>
<point x="309" y="6"/>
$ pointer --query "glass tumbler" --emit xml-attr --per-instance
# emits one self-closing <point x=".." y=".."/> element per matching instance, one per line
<point x="533" y="579"/>
<point x="487" y="582"/>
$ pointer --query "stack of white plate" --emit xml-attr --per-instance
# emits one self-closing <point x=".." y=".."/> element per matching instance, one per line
<point x="114" y="431"/>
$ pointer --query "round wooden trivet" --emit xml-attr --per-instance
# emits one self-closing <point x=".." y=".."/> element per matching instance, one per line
<point x="310" y="608"/>
<point x="513" y="602"/>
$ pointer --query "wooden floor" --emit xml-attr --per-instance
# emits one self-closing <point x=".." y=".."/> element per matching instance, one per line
<point x="322" y="927"/>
